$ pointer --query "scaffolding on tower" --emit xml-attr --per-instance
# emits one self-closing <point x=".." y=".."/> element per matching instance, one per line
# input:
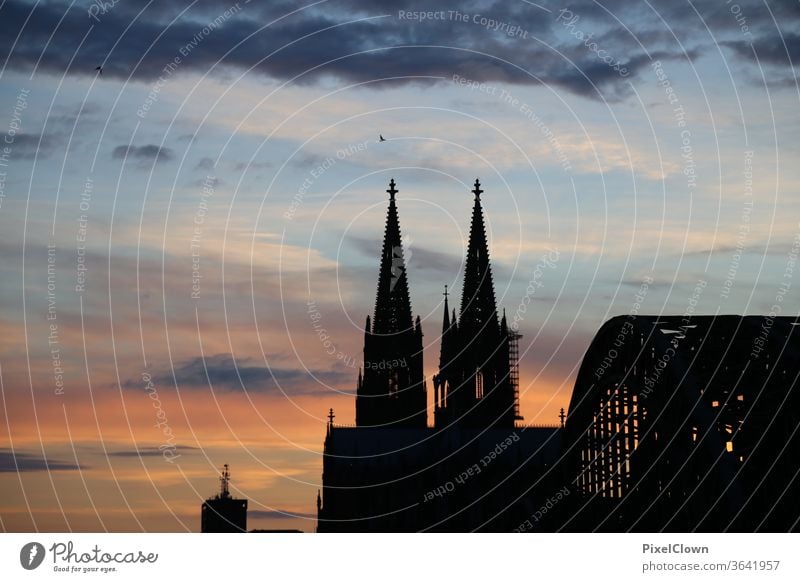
<point x="513" y="369"/>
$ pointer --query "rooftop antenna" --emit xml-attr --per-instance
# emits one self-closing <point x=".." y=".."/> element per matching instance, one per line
<point x="331" y="416"/>
<point x="224" y="482"/>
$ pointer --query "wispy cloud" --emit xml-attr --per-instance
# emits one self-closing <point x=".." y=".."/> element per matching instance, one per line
<point x="22" y="462"/>
<point x="224" y="372"/>
<point x="143" y="155"/>
<point x="150" y="451"/>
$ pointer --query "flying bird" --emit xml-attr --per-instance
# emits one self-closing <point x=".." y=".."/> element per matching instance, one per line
<point x="381" y="138"/>
<point x="100" y="68"/>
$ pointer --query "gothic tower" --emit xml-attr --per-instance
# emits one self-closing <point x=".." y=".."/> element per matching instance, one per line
<point x="392" y="393"/>
<point x="473" y="387"/>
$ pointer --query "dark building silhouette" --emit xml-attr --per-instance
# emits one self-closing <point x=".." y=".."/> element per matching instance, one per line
<point x="686" y="424"/>
<point x="223" y="513"/>
<point x="450" y="480"/>
<point x="474" y="470"/>
<point x="675" y="423"/>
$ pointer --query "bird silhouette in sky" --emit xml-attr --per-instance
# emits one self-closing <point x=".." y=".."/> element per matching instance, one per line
<point x="381" y="138"/>
<point x="100" y="69"/>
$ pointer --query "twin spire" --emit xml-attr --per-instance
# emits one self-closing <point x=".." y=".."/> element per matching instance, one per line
<point x="392" y="390"/>
<point x="393" y="302"/>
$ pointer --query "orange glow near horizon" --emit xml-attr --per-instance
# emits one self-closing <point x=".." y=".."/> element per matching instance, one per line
<point x="127" y="474"/>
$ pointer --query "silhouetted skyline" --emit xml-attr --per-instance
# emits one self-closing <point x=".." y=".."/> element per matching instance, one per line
<point x="676" y="423"/>
<point x="190" y="240"/>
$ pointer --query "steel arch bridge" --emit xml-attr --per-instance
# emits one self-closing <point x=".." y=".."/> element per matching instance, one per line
<point x="686" y="423"/>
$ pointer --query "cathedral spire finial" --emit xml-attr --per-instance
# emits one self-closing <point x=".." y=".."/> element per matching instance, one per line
<point x="392" y="191"/>
<point x="477" y="191"/>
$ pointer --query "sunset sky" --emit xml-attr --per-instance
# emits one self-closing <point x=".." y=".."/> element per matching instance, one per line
<point x="168" y="228"/>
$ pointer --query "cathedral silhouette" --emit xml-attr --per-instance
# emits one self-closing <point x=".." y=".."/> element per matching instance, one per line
<point x="474" y="351"/>
<point x="392" y="472"/>
<point x="675" y="423"/>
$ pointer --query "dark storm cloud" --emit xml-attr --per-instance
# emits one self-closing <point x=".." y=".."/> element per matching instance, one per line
<point x="222" y="372"/>
<point x="316" y="44"/>
<point x="16" y="462"/>
<point x="28" y="146"/>
<point x="772" y="49"/>
<point x="142" y="154"/>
